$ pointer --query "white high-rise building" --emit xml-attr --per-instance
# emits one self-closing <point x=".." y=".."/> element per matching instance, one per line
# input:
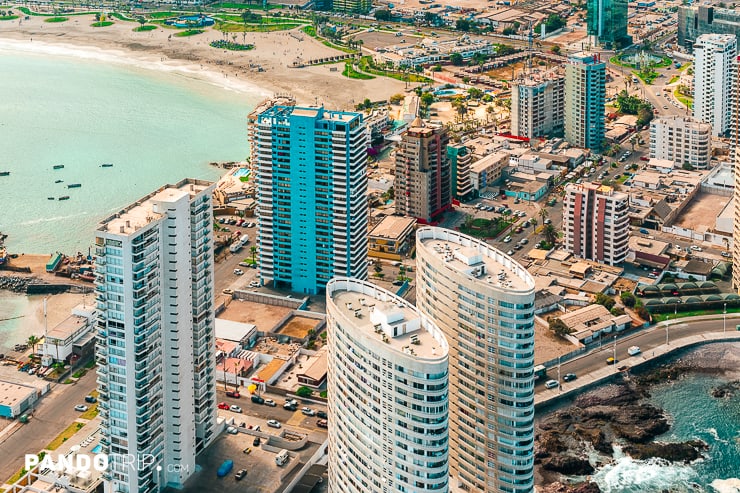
<point x="155" y="344"/>
<point x="596" y="222"/>
<point x="538" y="105"/>
<point x="585" y="92"/>
<point x="388" y="381"/>
<point x="311" y="173"/>
<point x="682" y="140"/>
<point x="715" y="64"/>
<point x="483" y="301"/>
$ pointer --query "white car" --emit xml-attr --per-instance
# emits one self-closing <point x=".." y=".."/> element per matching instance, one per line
<point x="238" y="272"/>
<point x="235" y="409"/>
<point x="270" y="402"/>
<point x="507" y="239"/>
<point x="232" y="431"/>
<point x="696" y="248"/>
<point x="551" y="384"/>
<point x="254" y="284"/>
<point x="273" y="423"/>
<point x="633" y="350"/>
<point x="81" y="408"/>
<point x="308" y="411"/>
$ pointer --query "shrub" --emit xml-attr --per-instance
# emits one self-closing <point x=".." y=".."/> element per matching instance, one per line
<point x="303" y="392"/>
<point x="628" y="299"/>
<point x="605" y="300"/>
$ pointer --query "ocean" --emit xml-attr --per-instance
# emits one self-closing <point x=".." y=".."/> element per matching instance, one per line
<point x="80" y="109"/>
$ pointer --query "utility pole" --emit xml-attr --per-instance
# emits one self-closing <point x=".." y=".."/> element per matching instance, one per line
<point x="615" y="352"/>
<point x="724" y="319"/>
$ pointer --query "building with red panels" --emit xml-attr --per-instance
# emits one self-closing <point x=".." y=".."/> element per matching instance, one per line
<point x="595" y="223"/>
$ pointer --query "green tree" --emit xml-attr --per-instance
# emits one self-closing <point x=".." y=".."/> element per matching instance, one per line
<point x="462" y="25"/>
<point x="253" y="251"/>
<point x="427" y="99"/>
<point x="396" y="98"/>
<point x="141" y="20"/>
<point x="628" y="299"/>
<point x="555" y="49"/>
<point x="543" y="214"/>
<point x="475" y="93"/>
<point x="604" y="300"/>
<point x="303" y="392"/>
<point x="687" y="166"/>
<point x="32" y="341"/>
<point x="431" y="18"/>
<point x="550" y="234"/>
<point x="456" y="59"/>
<point x="383" y="15"/>
<point x="559" y="327"/>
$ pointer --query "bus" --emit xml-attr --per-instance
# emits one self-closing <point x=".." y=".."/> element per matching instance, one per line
<point x="539" y="372"/>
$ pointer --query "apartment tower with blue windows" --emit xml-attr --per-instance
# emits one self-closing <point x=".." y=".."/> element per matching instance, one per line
<point x="311" y="172"/>
<point x="585" y="92"/>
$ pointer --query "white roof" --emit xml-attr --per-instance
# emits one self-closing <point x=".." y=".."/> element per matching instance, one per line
<point x="233" y="331"/>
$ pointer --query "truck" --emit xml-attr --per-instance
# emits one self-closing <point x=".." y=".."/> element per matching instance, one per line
<point x="225" y="468"/>
<point x="244" y="240"/>
<point x="539" y="372"/>
<point x="282" y="457"/>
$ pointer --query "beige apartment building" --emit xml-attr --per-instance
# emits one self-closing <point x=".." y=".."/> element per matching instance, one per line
<point x="483" y="301"/>
<point x="682" y="140"/>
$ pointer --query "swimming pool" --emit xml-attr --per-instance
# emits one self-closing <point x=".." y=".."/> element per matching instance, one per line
<point x="241" y="172"/>
<point x="448" y="92"/>
<point x="97" y="448"/>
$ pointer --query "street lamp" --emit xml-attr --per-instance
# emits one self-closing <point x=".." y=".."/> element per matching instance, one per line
<point x="724" y="318"/>
<point x="559" y="386"/>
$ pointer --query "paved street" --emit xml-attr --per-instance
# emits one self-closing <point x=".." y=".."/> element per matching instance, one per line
<point x="54" y="413"/>
<point x="650" y="340"/>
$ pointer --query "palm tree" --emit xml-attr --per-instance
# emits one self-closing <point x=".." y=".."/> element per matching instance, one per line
<point x="461" y="107"/>
<point x="534" y="223"/>
<point x="32" y="341"/>
<point x="543" y="214"/>
<point x="549" y="233"/>
<point x="253" y="251"/>
<point x="141" y="21"/>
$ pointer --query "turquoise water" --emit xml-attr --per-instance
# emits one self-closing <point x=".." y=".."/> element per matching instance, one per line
<point x="96" y="449"/>
<point x="695" y="414"/>
<point x="155" y="127"/>
<point x="241" y="172"/>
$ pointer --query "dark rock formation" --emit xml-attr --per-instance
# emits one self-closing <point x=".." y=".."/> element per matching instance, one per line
<point x="726" y="390"/>
<point x="567" y="464"/>
<point x="675" y="452"/>
<point x="587" y="487"/>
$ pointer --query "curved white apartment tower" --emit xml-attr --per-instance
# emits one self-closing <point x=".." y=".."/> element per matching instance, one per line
<point x="388" y="386"/>
<point x="483" y="301"/>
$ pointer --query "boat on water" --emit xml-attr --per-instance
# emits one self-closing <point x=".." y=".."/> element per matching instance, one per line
<point x="64" y="197"/>
<point x="4" y="173"/>
<point x="58" y="181"/>
<point x="51" y="198"/>
<point x="74" y="185"/>
<point x="58" y="166"/>
<point x="106" y="165"/>
<point x="3" y="255"/>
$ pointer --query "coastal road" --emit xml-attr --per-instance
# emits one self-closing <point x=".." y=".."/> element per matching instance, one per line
<point x="54" y="413"/>
<point x="647" y="341"/>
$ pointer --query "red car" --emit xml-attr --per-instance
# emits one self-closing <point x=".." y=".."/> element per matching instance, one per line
<point x="233" y="393"/>
<point x="644" y="158"/>
<point x="322" y="423"/>
<point x="223" y="405"/>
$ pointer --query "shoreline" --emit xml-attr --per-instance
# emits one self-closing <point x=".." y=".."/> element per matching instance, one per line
<point x="263" y="71"/>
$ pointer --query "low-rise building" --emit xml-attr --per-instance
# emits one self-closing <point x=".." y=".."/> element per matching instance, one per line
<point x="488" y="171"/>
<point x="592" y="322"/>
<point x="72" y="338"/>
<point x="392" y="237"/>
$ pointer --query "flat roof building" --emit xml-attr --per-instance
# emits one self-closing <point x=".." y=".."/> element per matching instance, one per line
<point x="391" y="237"/>
<point x="388" y="378"/>
<point x="483" y="301"/>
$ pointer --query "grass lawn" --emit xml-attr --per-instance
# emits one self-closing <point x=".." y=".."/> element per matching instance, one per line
<point x="349" y="71"/>
<point x="675" y="78"/>
<point x="57" y="19"/>
<point x="258" y="28"/>
<point x="102" y="24"/>
<point x="623" y="178"/>
<point x="146" y="27"/>
<point x="65" y="435"/>
<point x="647" y="78"/>
<point x="685" y="66"/>
<point x="310" y="30"/>
<point x="365" y="67"/>
<point x="685" y="100"/>
<point x="189" y="32"/>
<point x="660" y="317"/>
<point x="485" y="228"/>
<point x="122" y="17"/>
<point x="8" y="17"/>
<point x="90" y="413"/>
<point x="163" y="15"/>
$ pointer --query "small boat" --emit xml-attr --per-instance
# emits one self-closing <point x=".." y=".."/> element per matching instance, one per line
<point x="58" y="181"/>
<point x="74" y="185"/>
<point x="106" y="165"/>
<point x="4" y="173"/>
<point x="58" y="166"/>
<point x="64" y="197"/>
<point x="51" y="198"/>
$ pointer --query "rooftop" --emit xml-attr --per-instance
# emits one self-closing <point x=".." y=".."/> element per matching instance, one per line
<point x="141" y="213"/>
<point x="13" y="393"/>
<point x="384" y="316"/>
<point x="392" y="227"/>
<point x="476" y="259"/>
<point x="498" y="158"/>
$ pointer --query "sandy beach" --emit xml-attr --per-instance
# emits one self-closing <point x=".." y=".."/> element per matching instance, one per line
<point x="192" y="56"/>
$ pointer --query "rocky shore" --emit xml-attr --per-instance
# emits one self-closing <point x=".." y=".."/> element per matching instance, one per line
<point x="579" y="439"/>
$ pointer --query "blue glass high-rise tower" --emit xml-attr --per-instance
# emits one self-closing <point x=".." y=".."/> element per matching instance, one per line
<point x="607" y="21"/>
<point x="311" y="172"/>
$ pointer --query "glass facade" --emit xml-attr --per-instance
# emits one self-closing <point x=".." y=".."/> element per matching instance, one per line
<point x="607" y="21"/>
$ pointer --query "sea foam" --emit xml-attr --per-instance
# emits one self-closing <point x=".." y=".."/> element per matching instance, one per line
<point x="731" y="485"/>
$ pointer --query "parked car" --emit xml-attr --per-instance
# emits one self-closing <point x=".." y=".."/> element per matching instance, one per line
<point x="238" y="272"/>
<point x="726" y="254"/>
<point x="233" y="393"/>
<point x="551" y="384"/>
<point x="232" y="430"/>
<point x="273" y="423"/>
<point x="308" y="411"/>
<point x="695" y="248"/>
<point x="524" y="241"/>
<point x="81" y="408"/>
<point x="228" y="291"/>
<point x="510" y="252"/>
<point x="256" y="442"/>
<point x="507" y="239"/>
<point x="569" y="376"/>
<point x="240" y="474"/>
<point x="254" y="284"/>
<point x="611" y="361"/>
<point x="223" y="405"/>
<point x="270" y="402"/>
<point x="257" y="399"/>
<point x="91" y="399"/>
<point x="322" y="423"/>
<point x="321" y="414"/>
<point x="235" y="409"/>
